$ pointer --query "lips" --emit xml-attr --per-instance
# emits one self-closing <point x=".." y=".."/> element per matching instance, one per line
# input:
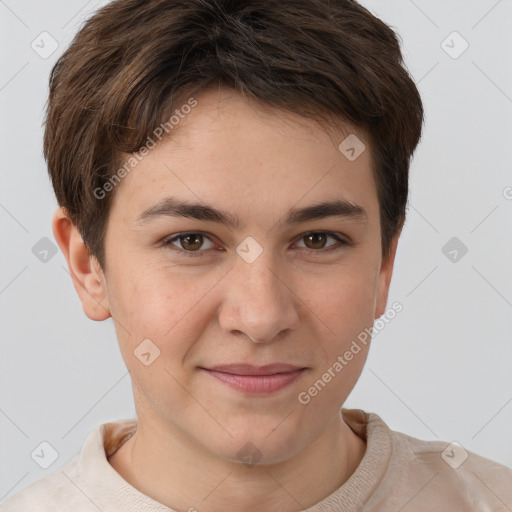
<point x="251" y="379"/>
<point x="248" y="369"/>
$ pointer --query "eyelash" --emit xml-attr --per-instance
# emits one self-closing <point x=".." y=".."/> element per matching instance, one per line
<point x="199" y="253"/>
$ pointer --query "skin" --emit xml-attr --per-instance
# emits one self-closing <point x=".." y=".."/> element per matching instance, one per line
<point x="291" y="305"/>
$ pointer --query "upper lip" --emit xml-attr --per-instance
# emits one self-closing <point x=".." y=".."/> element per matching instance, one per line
<point x="249" y="369"/>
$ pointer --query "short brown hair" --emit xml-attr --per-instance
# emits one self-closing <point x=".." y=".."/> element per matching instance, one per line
<point x="135" y="61"/>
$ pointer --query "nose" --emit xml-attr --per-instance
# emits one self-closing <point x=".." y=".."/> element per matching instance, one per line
<point x="258" y="301"/>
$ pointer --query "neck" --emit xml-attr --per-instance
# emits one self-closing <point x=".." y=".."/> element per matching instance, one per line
<point x="177" y="472"/>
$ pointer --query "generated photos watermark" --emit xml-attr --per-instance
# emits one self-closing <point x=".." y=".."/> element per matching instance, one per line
<point x="363" y="337"/>
<point x="133" y="161"/>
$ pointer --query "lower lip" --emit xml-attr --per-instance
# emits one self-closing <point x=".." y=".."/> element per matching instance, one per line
<point x="257" y="383"/>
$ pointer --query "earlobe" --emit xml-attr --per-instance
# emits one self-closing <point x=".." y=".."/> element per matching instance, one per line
<point x="385" y="275"/>
<point x="88" y="279"/>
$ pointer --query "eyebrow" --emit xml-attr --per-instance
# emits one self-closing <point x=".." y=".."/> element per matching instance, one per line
<point x="172" y="207"/>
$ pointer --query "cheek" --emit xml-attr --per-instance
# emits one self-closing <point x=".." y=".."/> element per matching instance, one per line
<point x="347" y="310"/>
<point x="156" y="327"/>
<point x="160" y="304"/>
<point x="345" y="301"/>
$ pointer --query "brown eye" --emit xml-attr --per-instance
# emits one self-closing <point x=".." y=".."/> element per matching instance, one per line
<point x="315" y="240"/>
<point x="190" y="244"/>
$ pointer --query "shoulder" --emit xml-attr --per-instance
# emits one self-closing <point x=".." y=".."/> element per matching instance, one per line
<point x="401" y="472"/>
<point x="57" y="492"/>
<point x="84" y="481"/>
<point x="440" y="473"/>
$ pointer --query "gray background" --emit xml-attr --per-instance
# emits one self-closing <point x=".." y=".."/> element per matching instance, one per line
<point x="439" y="370"/>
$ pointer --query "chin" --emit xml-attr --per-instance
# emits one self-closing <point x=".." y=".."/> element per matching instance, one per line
<point x="262" y="442"/>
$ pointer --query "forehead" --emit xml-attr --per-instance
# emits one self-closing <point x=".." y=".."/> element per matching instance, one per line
<point x="242" y="156"/>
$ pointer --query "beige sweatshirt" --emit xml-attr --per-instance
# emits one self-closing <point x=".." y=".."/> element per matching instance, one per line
<point x="398" y="473"/>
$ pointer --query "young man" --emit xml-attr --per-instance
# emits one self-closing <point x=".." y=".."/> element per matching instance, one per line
<point x="232" y="179"/>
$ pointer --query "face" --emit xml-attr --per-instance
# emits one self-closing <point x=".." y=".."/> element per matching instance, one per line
<point x="268" y="287"/>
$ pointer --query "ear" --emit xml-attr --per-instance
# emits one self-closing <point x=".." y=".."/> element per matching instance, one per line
<point x="386" y="271"/>
<point x="88" y="278"/>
